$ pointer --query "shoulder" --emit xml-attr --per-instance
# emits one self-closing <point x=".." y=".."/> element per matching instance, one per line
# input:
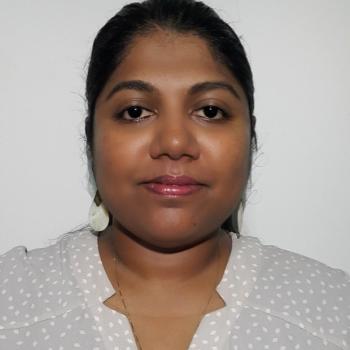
<point x="36" y="284"/>
<point x="303" y="292"/>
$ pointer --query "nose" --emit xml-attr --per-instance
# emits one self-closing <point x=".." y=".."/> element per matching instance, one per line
<point x="175" y="136"/>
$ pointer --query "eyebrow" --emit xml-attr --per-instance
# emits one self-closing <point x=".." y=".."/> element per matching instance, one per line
<point x="140" y="85"/>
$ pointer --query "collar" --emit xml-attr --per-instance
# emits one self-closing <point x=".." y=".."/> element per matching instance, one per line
<point x="234" y="287"/>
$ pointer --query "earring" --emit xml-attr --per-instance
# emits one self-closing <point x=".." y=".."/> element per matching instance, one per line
<point x="98" y="214"/>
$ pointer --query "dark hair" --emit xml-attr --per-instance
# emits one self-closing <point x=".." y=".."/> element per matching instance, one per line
<point x="181" y="16"/>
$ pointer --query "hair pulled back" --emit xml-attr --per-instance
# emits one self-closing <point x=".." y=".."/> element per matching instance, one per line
<point x="180" y="16"/>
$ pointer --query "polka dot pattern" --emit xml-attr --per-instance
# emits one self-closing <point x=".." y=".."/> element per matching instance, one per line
<point x="52" y="298"/>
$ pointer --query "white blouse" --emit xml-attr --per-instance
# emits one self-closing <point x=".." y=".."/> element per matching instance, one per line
<point x="52" y="299"/>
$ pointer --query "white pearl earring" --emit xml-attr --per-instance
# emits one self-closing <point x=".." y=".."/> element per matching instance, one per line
<point x="98" y="214"/>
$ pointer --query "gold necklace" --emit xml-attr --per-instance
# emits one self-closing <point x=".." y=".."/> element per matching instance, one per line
<point x="202" y="313"/>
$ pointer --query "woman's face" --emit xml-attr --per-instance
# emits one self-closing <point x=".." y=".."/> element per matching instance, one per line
<point x="171" y="133"/>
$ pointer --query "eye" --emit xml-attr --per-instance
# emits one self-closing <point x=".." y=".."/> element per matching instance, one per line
<point x="211" y="112"/>
<point x="132" y="113"/>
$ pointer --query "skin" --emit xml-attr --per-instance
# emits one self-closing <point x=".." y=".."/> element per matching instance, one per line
<point x="168" y="246"/>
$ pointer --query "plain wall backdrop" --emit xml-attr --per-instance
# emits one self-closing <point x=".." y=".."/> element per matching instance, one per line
<point x="300" y="54"/>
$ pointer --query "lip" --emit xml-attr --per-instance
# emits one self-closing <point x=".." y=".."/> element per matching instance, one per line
<point x="174" y="180"/>
<point x="173" y="186"/>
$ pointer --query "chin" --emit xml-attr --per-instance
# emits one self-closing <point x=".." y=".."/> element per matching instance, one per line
<point x="174" y="235"/>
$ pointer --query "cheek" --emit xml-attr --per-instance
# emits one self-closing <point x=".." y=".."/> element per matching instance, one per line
<point x="115" y="156"/>
<point x="231" y="159"/>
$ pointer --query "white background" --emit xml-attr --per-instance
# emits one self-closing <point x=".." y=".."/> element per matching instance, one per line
<point x="300" y="55"/>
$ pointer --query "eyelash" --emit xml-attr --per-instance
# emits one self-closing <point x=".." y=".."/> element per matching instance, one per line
<point x="119" y="115"/>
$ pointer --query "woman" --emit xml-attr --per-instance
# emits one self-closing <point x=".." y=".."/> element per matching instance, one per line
<point x="170" y="137"/>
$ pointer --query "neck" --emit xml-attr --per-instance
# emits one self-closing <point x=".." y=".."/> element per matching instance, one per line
<point x="149" y="264"/>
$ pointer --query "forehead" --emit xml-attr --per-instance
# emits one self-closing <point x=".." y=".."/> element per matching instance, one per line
<point x="170" y="60"/>
<point x="162" y="49"/>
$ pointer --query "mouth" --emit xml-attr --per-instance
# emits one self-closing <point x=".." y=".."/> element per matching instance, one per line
<point x="173" y="186"/>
